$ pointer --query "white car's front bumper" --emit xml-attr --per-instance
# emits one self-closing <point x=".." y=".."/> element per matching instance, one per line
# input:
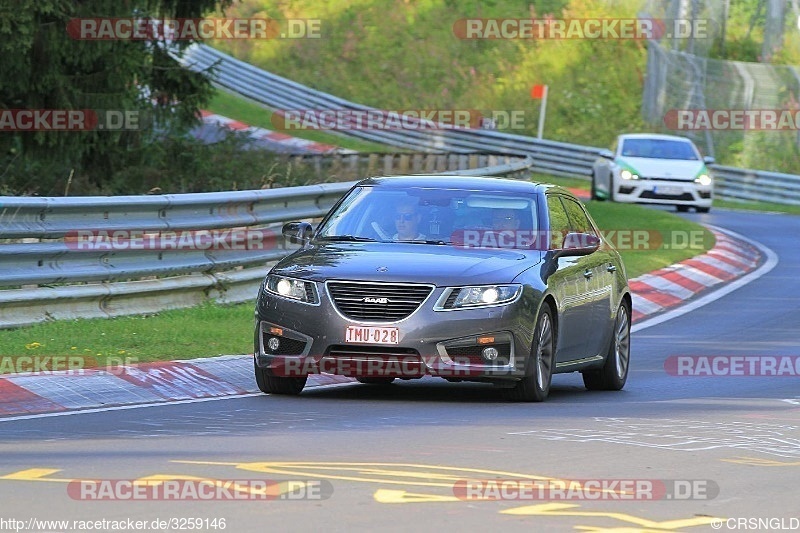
<point x="670" y="192"/>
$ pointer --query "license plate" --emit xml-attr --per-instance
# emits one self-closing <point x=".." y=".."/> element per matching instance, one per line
<point x="372" y="335"/>
<point x="667" y="190"/>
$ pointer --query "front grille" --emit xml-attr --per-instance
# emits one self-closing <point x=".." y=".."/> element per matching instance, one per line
<point x="650" y="194"/>
<point x="390" y="301"/>
<point x="472" y="354"/>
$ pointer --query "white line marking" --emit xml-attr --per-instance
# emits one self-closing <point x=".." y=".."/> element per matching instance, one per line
<point x="770" y="263"/>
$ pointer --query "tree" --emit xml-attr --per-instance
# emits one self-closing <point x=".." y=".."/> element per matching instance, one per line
<point x="44" y="67"/>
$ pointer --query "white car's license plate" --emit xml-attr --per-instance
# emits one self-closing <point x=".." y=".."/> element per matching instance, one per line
<point x="667" y="190"/>
<point x="372" y="335"/>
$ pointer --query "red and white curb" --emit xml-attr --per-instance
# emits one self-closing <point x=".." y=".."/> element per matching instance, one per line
<point x="269" y="135"/>
<point x="22" y="396"/>
<point x="147" y="383"/>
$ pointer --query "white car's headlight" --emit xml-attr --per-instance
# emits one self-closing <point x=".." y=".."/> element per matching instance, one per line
<point x="294" y="289"/>
<point x="703" y="179"/>
<point x="628" y="175"/>
<point x="480" y="296"/>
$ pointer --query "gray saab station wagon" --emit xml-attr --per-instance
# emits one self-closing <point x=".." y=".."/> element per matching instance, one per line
<point x="469" y="279"/>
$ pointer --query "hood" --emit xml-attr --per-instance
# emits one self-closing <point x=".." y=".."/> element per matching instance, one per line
<point x="663" y="168"/>
<point x="441" y="265"/>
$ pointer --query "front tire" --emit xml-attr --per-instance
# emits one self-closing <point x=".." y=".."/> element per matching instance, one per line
<point x="535" y="386"/>
<point x="682" y="208"/>
<point x="269" y="384"/>
<point x="614" y="373"/>
<point x="702" y="209"/>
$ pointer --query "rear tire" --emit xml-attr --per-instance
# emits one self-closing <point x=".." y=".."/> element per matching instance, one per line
<point x="535" y="386"/>
<point x="702" y="209"/>
<point x="376" y="381"/>
<point x="614" y="373"/>
<point x="277" y="385"/>
<point x="682" y="208"/>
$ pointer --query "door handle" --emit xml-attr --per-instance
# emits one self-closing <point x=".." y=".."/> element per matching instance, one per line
<point x="611" y="268"/>
<point x="588" y="274"/>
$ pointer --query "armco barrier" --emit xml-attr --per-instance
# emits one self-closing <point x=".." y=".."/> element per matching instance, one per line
<point x="44" y="276"/>
<point x="549" y="157"/>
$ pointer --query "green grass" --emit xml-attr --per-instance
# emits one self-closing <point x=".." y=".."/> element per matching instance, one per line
<point x="253" y="114"/>
<point x="758" y="206"/>
<point x="203" y="331"/>
<point x="672" y="238"/>
<point x="211" y="330"/>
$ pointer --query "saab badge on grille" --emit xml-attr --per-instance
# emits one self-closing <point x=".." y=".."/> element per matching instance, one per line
<point x="369" y="300"/>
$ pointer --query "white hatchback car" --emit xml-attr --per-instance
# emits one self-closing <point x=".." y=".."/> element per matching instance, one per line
<point x="655" y="169"/>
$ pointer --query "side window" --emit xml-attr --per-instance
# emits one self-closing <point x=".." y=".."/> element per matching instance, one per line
<point x="559" y="223"/>
<point x="579" y="221"/>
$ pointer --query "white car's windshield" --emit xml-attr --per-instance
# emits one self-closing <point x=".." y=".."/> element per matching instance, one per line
<point x="435" y="216"/>
<point x="658" y="149"/>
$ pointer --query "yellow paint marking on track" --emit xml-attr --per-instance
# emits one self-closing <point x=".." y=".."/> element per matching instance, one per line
<point x="440" y="476"/>
<point x="758" y="461"/>
<point x="401" y="496"/>
<point x="36" y="474"/>
<point x="565" y="509"/>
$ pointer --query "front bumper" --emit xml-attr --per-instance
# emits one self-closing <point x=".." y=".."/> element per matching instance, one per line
<point x="671" y="192"/>
<point x="449" y="344"/>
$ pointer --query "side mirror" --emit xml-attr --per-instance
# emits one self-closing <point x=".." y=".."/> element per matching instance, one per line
<point x="708" y="160"/>
<point x="606" y="154"/>
<point x="298" y="232"/>
<point x="578" y="244"/>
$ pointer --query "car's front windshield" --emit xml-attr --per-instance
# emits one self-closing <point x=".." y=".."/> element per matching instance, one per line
<point x="426" y="215"/>
<point x="659" y="149"/>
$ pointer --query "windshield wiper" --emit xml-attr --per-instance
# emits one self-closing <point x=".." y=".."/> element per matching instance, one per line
<point x="346" y="238"/>
<point x="429" y="241"/>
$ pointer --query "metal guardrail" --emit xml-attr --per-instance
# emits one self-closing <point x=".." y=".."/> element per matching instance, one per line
<point x="46" y="275"/>
<point x="756" y="185"/>
<point x="549" y="157"/>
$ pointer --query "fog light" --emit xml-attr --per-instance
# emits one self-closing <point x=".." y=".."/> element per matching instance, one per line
<point x="490" y="353"/>
<point x="273" y="344"/>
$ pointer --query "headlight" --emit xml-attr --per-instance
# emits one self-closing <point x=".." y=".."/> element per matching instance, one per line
<point x="703" y="179"/>
<point x="294" y="289"/>
<point x="628" y="175"/>
<point x="482" y="296"/>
